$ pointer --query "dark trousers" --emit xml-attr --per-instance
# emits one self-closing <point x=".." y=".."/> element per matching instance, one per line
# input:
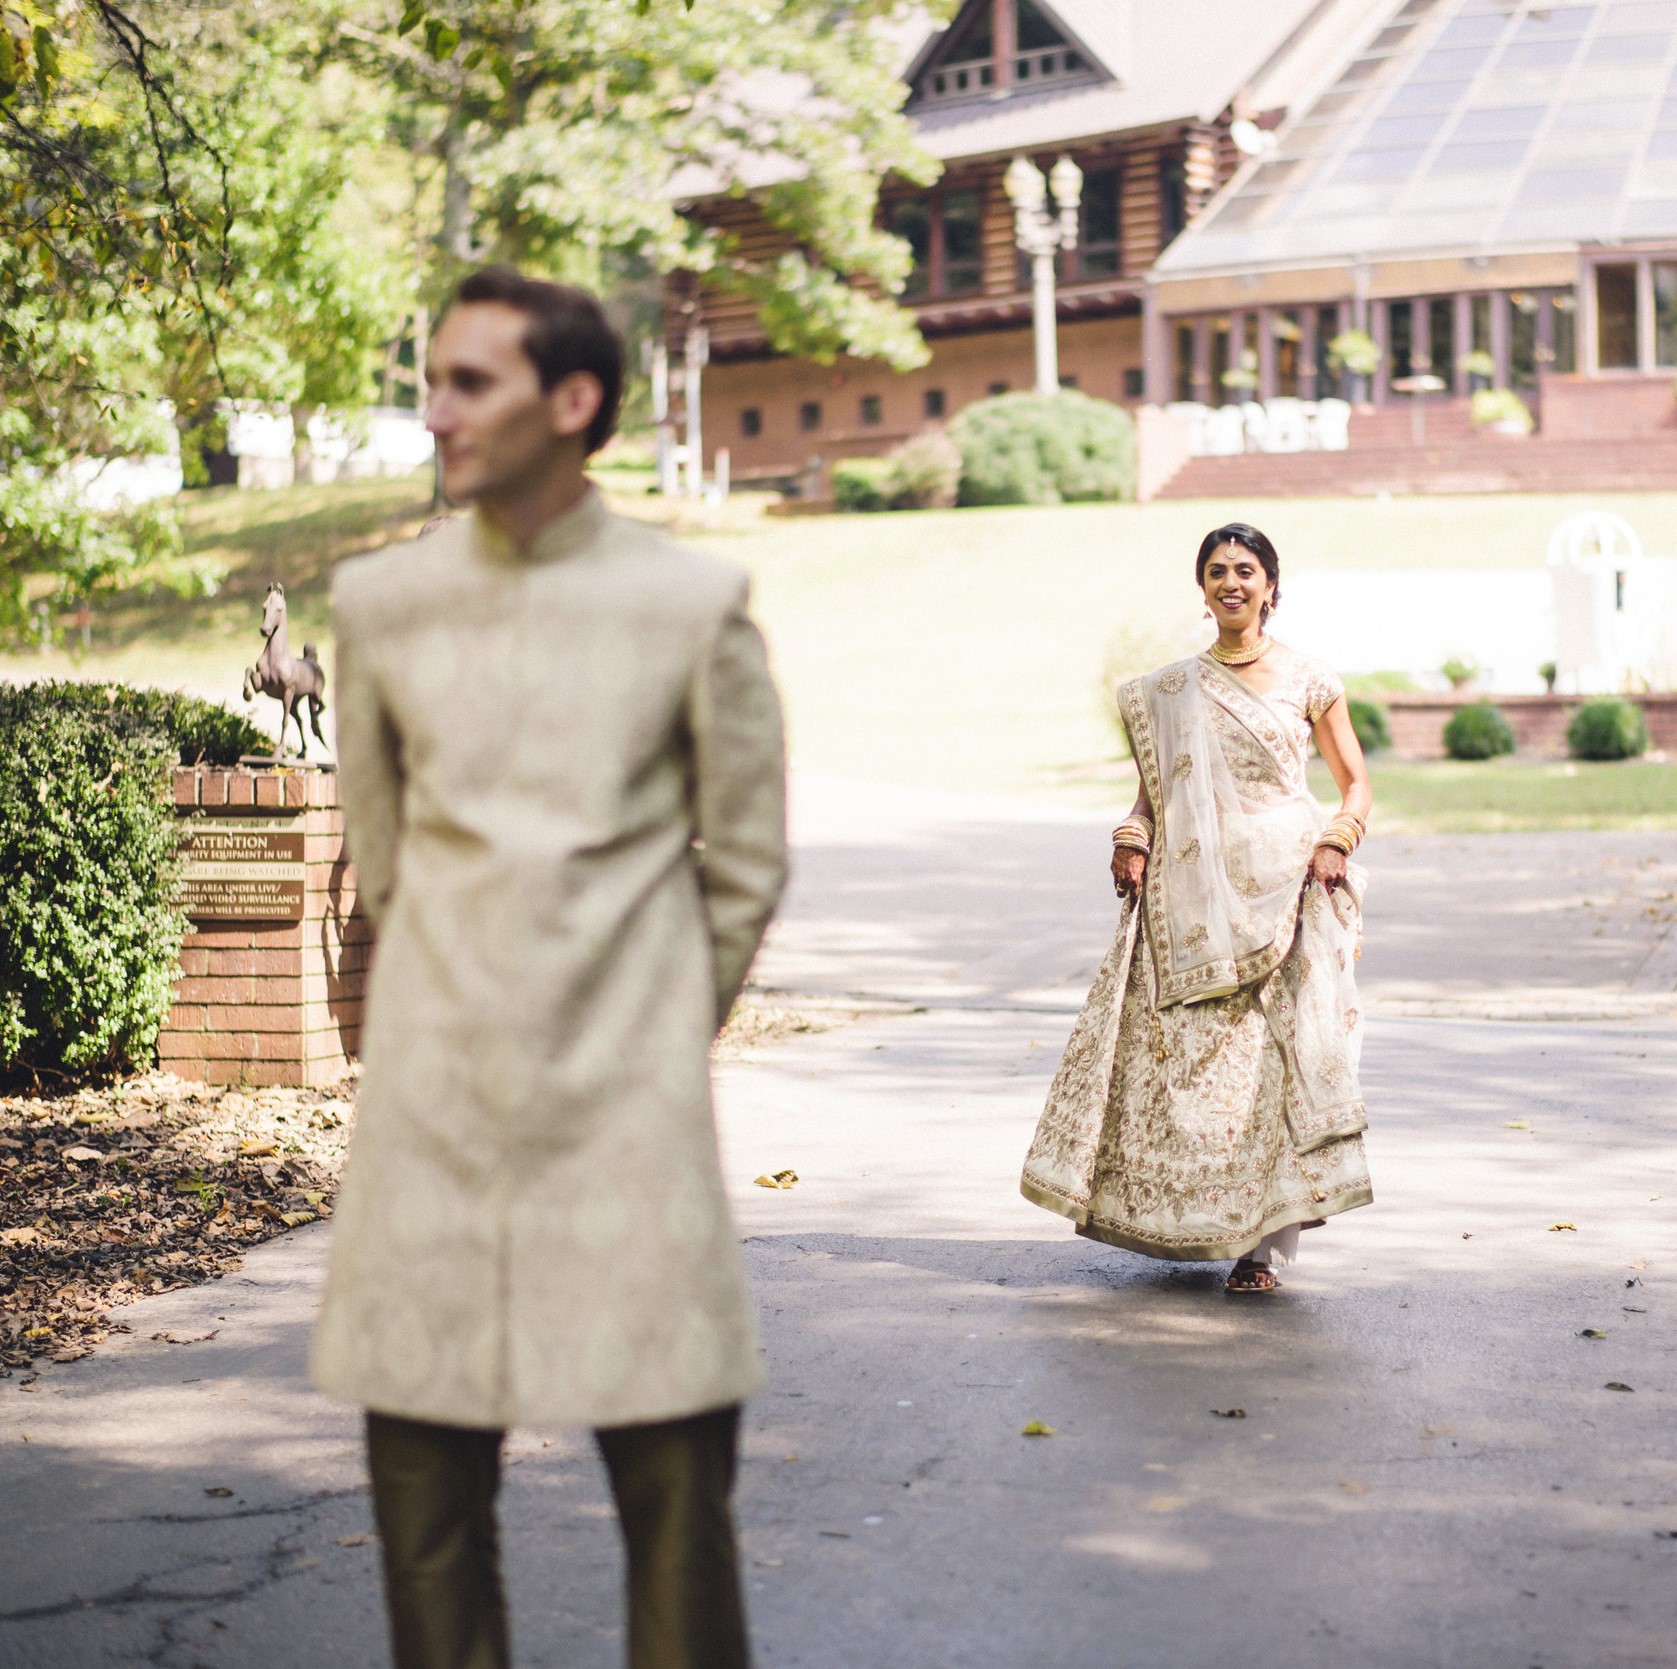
<point x="434" y="1491"/>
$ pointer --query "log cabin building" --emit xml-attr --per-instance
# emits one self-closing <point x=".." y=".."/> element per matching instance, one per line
<point x="1486" y="189"/>
<point x="1140" y="93"/>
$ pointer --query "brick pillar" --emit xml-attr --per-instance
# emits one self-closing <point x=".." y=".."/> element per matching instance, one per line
<point x="272" y="995"/>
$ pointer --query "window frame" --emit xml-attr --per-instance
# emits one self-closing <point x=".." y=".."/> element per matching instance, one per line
<point x="937" y="263"/>
<point x="1587" y="315"/>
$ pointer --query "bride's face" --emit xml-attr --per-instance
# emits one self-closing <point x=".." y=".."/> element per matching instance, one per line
<point x="1236" y="587"/>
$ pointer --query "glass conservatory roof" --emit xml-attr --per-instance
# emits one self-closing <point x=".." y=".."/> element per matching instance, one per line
<point x="1471" y="125"/>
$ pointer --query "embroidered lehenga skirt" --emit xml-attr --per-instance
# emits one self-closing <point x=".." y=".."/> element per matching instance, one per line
<point x="1209" y="1095"/>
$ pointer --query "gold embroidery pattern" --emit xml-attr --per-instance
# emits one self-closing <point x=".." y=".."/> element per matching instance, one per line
<point x="1188" y="852"/>
<point x="1183" y="768"/>
<point x="1196" y="937"/>
<point x="1248" y="886"/>
<point x="1174" y="681"/>
<point x="1167" y="1130"/>
<point x="1351" y="1019"/>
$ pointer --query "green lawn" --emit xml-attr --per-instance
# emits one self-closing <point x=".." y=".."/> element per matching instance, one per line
<point x="963" y="649"/>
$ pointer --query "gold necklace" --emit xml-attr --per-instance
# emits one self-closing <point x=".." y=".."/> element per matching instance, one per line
<point x="1241" y="657"/>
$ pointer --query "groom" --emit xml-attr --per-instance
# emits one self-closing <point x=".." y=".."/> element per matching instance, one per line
<point x="561" y="763"/>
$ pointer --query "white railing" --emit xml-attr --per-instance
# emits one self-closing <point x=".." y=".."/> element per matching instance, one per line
<point x="1278" y="425"/>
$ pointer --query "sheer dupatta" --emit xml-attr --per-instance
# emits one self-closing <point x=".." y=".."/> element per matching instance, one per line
<point x="1227" y="895"/>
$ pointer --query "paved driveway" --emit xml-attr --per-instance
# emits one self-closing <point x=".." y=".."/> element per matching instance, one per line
<point x="1431" y="1470"/>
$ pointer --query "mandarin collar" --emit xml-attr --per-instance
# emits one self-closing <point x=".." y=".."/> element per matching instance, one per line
<point x="564" y="536"/>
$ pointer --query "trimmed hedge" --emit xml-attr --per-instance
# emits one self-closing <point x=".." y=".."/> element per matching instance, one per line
<point x="1607" y="729"/>
<point x="89" y="933"/>
<point x="1477" y="731"/>
<point x="1045" y="449"/>
<point x="1371" y="722"/>
<point x="859" y="483"/>
<point x="201" y="732"/>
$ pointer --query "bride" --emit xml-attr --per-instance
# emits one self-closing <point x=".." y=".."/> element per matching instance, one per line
<point x="1207" y="1106"/>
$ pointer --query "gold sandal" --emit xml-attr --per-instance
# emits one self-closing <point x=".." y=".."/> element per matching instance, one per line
<point x="1247" y="1276"/>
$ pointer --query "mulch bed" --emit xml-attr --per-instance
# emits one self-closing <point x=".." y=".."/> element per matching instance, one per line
<point x="113" y="1193"/>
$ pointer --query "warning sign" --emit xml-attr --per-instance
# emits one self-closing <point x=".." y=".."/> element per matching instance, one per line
<point x="243" y="869"/>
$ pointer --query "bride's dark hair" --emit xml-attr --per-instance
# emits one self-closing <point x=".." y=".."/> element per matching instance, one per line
<point x="1249" y="538"/>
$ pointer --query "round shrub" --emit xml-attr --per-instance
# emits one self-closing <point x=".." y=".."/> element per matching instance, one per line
<point x="859" y="483"/>
<point x="1607" y="729"/>
<point x="1371" y="723"/>
<point x="1477" y="731"/>
<point x="89" y="935"/>
<point x="925" y="473"/>
<point x="1044" y="449"/>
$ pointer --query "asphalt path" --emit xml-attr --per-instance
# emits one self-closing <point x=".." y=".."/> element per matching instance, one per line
<point x="1430" y="1470"/>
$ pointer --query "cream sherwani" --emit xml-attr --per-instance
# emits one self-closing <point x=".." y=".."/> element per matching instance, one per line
<point x="563" y="773"/>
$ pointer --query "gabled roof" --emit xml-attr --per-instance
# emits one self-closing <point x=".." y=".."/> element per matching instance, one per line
<point x="1171" y="60"/>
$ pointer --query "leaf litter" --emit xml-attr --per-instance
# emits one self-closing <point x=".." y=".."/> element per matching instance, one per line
<point x="115" y="1192"/>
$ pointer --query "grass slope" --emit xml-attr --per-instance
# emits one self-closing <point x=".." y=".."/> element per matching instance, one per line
<point x="960" y="649"/>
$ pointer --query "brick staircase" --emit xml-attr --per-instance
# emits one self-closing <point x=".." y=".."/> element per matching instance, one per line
<point x="1388" y="453"/>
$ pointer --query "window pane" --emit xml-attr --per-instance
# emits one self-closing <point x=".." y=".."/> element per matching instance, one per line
<point x="1665" y="313"/>
<point x="963" y="243"/>
<point x="1400" y="326"/>
<point x="1522" y="340"/>
<point x="1327" y="327"/>
<point x="809" y="416"/>
<point x="1285" y="328"/>
<point x="911" y="220"/>
<point x="1441" y="337"/>
<point x="1219" y="361"/>
<point x="1565" y="327"/>
<point x="1615" y="301"/>
<point x="1098" y="233"/>
<point x="1182" y="380"/>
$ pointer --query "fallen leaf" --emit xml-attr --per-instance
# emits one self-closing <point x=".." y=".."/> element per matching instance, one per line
<point x="837" y="1535"/>
<point x="82" y="1155"/>
<point x="1167" y="1503"/>
<point x="1592" y="1333"/>
<point x="359" y="1539"/>
<point x="1036" y="1428"/>
<point x="1515" y="1124"/>
<point x="1618" y="1385"/>
<point x="19" y="1237"/>
<point x="296" y="1219"/>
<point x="1466" y="1235"/>
<point x="220" y="1491"/>
<point x="780" y="1179"/>
<point x="769" y="1564"/>
<point x="1229" y="1413"/>
<point x="1633" y="1309"/>
<point x="256" y="1150"/>
<point x="1355" y="1489"/>
<point x="185" y="1338"/>
<point x="786" y="1460"/>
<point x="1438" y="1431"/>
<point x="1556" y="1228"/>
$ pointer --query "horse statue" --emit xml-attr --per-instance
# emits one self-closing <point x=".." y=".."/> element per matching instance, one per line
<point x="291" y="678"/>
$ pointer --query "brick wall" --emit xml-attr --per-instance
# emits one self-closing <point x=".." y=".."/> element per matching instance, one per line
<point x="1538" y="721"/>
<point x="272" y="1002"/>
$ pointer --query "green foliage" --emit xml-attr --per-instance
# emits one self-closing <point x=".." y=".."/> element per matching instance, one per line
<point x="1607" y="729"/>
<point x="1371" y="722"/>
<point x="1499" y="405"/>
<point x="1354" y="351"/>
<point x="1460" y="670"/>
<point x="1477" y="731"/>
<point x="1044" y="449"/>
<point x="859" y="483"/>
<point x="925" y="473"/>
<point x="89" y="936"/>
<point x="200" y="732"/>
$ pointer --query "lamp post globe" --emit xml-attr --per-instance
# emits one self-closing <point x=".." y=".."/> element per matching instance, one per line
<point x="1041" y="234"/>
